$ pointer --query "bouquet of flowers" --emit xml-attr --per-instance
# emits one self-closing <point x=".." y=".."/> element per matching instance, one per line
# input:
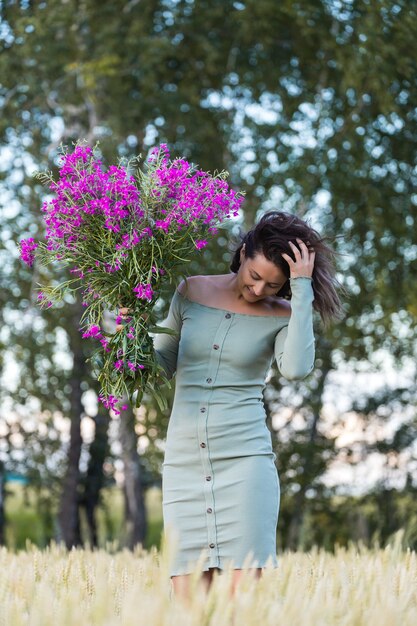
<point x="123" y="233"/>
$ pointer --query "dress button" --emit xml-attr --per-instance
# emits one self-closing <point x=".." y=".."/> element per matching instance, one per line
<point x="215" y="347"/>
<point x="202" y="444"/>
<point x="212" y="545"/>
<point x="208" y="477"/>
<point x="203" y="409"/>
<point x="209" y="380"/>
<point x="228" y="316"/>
<point x="209" y="510"/>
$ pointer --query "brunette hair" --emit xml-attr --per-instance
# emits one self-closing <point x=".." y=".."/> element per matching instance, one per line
<point x="271" y="237"/>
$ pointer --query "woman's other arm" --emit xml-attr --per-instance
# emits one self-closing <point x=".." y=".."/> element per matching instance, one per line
<point x="294" y="344"/>
<point x="166" y="346"/>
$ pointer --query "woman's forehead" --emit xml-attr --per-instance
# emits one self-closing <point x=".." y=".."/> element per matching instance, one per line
<point x="266" y="269"/>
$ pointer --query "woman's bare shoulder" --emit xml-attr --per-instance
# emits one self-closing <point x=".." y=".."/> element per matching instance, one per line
<point x="192" y="286"/>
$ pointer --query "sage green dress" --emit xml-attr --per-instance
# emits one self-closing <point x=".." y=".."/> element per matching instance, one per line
<point x="220" y="485"/>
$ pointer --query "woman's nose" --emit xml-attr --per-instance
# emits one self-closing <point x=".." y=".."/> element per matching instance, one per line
<point x="258" y="289"/>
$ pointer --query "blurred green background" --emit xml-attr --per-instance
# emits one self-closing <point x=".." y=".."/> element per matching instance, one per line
<point x="311" y="108"/>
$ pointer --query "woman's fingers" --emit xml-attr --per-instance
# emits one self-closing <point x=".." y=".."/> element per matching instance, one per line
<point x="303" y="262"/>
<point x="299" y="254"/>
<point x="301" y="244"/>
<point x="305" y="249"/>
<point x="297" y="251"/>
<point x="289" y="260"/>
<point x="124" y="314"/>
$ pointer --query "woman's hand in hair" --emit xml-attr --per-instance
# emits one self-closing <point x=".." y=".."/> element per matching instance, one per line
<point x="303" y="264"/>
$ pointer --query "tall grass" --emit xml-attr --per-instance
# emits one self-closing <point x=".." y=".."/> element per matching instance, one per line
<point x="353" y="586"/>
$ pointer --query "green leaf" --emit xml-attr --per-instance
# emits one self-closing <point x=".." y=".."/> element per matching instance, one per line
<point x="162" y="329"/>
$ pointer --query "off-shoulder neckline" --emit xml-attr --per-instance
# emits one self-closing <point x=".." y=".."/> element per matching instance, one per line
<point x="215" y="308"/>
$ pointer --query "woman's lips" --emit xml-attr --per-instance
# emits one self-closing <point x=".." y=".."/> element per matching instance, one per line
<point x="254" y="294"/>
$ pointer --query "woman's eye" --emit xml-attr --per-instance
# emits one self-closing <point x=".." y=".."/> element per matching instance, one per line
<point x="269" y="285"/>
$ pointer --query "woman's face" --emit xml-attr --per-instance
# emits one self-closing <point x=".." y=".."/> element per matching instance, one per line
<point x="258" y="278"/>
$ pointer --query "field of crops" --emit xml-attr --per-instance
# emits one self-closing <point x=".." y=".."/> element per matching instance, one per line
<point x="352" y="587"/>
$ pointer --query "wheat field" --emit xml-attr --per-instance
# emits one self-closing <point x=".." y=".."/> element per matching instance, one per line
<point x="353" y="586"/>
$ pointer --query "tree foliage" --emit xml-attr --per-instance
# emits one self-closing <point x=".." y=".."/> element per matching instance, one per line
<point x="310" y="106"/>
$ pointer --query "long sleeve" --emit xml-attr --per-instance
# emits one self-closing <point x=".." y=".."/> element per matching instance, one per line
<point x="166" y="346"/>
<point x="294" y="344"/>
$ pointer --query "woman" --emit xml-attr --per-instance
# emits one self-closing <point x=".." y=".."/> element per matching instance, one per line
<point x="220" y="484"/>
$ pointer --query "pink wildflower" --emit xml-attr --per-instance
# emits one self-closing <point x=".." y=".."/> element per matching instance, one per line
<point x="94" y="331"/>
<point x="110" y="402"/>
<point x="115" y="226"/>
<point x="27" y="250"/>
<point x="144" y="292"/>
<point x="105" y="344"/>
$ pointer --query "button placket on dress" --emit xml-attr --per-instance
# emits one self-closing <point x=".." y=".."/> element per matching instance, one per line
<point x="203" y="431"/>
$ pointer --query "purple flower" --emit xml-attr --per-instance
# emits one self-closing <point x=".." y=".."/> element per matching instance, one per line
<point x="105" y="344"/>
<point x="146" y="232"/>
<point x="163" y="224"/>
<point x="112" y="229"/>
<point x="110" y="402"/>
<point x="94" y="331"/>
<point x="43" y="301"/>
<point x="27" y="250"/>
<point x="85" y="191"/>
<point x="144" y="292"/>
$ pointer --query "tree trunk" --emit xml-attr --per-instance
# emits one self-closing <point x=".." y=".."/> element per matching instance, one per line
<point x="68" y="521"/>
<point x="135" y="511"/>
<point x="316" y="403"/>
<point x="94" y="479"/>
<point x="2" y="498"/>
